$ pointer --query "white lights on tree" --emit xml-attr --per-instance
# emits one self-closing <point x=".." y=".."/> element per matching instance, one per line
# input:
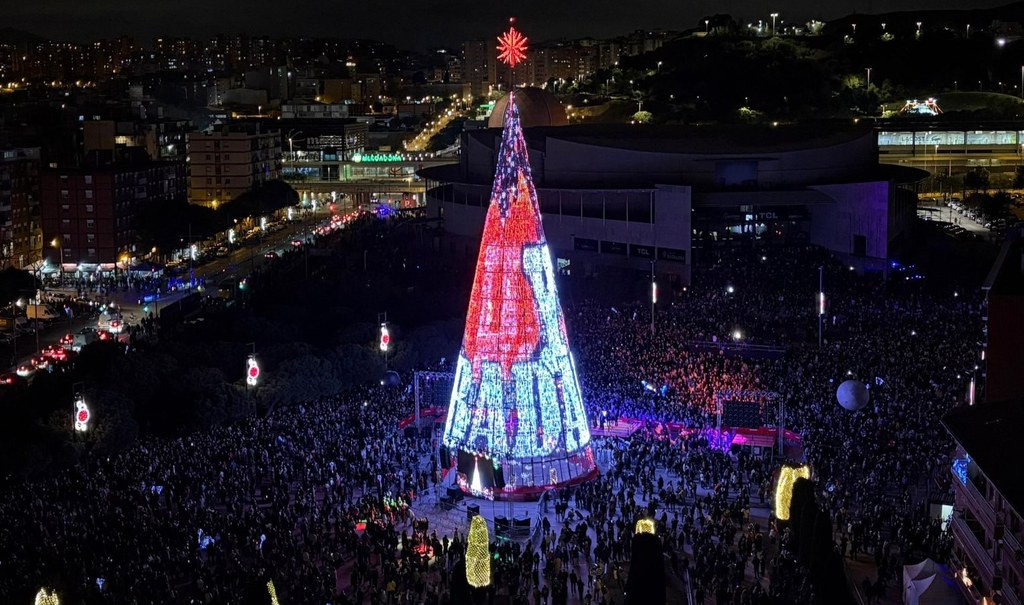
<point x="82" y="415"/>
<point x="252" y="371"/>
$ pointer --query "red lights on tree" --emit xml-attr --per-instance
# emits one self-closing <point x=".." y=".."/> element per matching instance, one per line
<point x="512" y="46"/>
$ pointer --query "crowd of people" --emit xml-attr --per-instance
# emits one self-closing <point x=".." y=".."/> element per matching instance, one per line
<point x="317" y="497"/>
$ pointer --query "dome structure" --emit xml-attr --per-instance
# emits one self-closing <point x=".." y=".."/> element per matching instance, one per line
<point x="537" y="107"/>
<point x="852" y="395"/>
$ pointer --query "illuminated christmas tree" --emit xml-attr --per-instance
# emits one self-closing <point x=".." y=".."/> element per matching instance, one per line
<point x="516" y="405"/>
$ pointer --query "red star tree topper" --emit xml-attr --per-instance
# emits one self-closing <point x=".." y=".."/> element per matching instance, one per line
<point x="512" y="46"/>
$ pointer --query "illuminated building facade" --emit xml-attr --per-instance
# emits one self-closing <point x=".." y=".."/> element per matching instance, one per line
<point x="516" y="402"/>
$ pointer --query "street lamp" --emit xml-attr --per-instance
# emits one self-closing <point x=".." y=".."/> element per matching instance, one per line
<point x="868" y="85"/>
<point x="707" y="26"/>
<point x="774" y="17"/>
<point x="968" y="36"/>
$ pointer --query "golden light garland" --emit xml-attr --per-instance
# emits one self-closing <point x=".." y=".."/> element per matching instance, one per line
<point x="478" y="554"/>
<point x="43" y="597"/>
<point x="273" y="593"/>
<point x="784" y="488"/>
<point x="644" y="526"/>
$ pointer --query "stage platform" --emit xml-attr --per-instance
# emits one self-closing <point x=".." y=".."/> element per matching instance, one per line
<point x="621" y="429"/>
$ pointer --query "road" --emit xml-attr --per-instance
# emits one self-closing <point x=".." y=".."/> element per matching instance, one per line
<point x="238" y="264"/>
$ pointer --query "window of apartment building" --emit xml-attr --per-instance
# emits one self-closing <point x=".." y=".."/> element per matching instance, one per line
<point x="88" y="207"/>
<point x="88" y="179"/>
<point x="92" y="252"/>
<point x="91" y="224"/>
<point x="67" y="238"/>
<point x="209" y="157"/>
<point x="227" y="156"/>
<point x="90" y="237"/>
<point x="88" y="194"/>
<point x="66" y="222"/>
<point x="64" y="194"/>
<point x="65" y="207"/>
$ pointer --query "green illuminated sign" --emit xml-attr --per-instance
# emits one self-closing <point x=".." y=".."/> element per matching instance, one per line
<point x="377" y="157"/>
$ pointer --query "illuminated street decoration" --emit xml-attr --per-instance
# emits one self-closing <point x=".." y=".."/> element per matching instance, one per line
<point x="45" y="597"/>
<point x="252" y="371"/>
<point x="516" y="397"/>
<point x="273" y="593"/>
<point x="784" y="488"/>
<point x="644" y="526"/>
<point x="512" y="47"/>
<point x="377" y="158"/>
<point x="478" y="555"/>
<point x="82" y="415"/>
<point x="385" y="338"/>
<point x="928" y="107"/>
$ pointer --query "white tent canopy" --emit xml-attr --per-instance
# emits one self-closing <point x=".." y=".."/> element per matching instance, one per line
<point x="930" y="583"/>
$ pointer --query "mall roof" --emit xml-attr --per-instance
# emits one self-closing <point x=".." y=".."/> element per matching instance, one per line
<point x="710" y="139"/>
<point x="985" y="431"/>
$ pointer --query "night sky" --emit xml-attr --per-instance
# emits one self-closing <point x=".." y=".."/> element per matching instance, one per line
<point x="413" y="23"/>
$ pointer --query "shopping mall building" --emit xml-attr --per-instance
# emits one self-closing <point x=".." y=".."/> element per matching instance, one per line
<point x="624" y="196"/>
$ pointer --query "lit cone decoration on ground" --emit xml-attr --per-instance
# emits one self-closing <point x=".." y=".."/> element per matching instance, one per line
<point x="516" y="398"/>
<point x="478" y="554"/>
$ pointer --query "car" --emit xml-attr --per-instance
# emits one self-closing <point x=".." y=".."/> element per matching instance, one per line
<point x="271" y="255"/>
<point x="296" y="242"/>
<point x="10" y="379"/>
<point x="40" y="362"/>
<point x="25" y="370"/>
<point x="67" y="341"/>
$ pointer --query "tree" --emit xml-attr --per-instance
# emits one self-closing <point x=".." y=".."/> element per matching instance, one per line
<point x="271" y="196"/>
<point x="14" y="284"/>
<point x="1018" y="178"/>
<point x="976" y="179"/>
<point x="643" y="117"/>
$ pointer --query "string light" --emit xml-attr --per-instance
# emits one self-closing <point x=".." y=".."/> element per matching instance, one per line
<point x="478" y="554"/>
<point x="44" y="597"/>
<point x="516" y="390"/>
<point x="784" y="488"/>
<point x="644" y="526"/>
<point x="273" y="593"/>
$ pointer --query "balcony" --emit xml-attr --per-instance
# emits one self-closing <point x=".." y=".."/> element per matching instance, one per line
<point x="976" y="501"/>
<point x="979" y="557"/>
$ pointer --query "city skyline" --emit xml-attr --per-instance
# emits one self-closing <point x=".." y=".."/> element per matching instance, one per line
<point x="413" y="28"/>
